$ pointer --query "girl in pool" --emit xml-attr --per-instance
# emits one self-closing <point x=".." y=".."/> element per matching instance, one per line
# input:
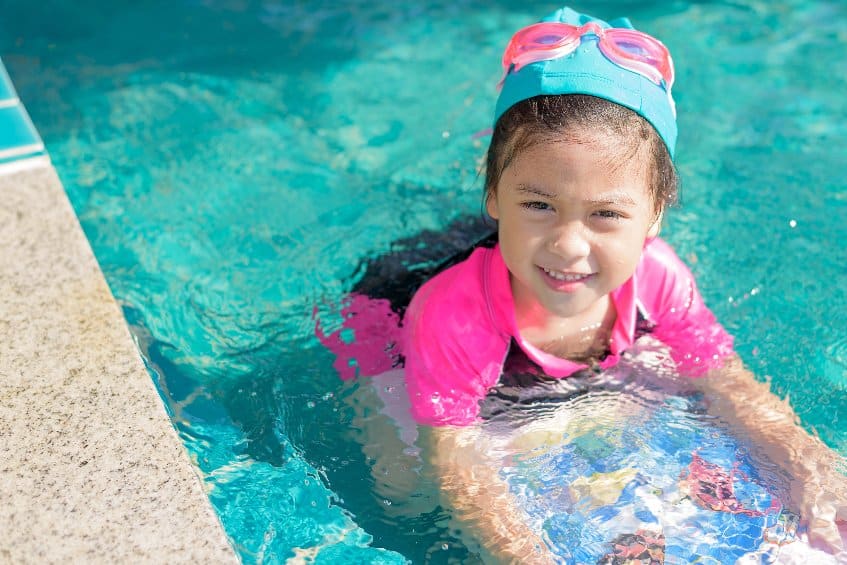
<point x="579" y="173"/>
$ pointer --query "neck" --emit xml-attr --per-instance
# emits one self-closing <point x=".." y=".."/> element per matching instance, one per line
<point x="576" y="337"/>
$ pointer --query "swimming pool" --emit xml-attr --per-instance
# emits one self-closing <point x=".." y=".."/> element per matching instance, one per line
<point x="233" y="162"/>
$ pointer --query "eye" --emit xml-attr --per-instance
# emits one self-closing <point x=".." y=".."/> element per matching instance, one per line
<point x="536" y="205"/>
<point x="609" y="214"/>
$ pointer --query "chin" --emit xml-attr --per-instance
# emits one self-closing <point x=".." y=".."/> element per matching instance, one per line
<point x="563" y="310"/>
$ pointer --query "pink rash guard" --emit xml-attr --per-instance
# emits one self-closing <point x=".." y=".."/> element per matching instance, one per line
<point x="459" y="326"/>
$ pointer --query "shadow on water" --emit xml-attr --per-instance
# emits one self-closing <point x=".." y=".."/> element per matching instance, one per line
<point x="411" y="261"/>
<point x="291" y="406"/>
<point x="318" y="412"/>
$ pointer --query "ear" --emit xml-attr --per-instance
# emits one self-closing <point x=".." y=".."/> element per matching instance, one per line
<point x="491" y="205"/>
<point x="656" y="227"/>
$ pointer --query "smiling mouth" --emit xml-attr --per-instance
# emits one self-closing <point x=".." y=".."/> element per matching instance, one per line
<point x="565" y="277"/>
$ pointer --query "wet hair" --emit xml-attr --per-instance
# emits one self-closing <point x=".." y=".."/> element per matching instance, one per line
<point x="567" y="117"/>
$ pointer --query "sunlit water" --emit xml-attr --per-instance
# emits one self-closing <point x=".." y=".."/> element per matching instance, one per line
<point x="234" y="162"/>
<point x="633" y="459"/>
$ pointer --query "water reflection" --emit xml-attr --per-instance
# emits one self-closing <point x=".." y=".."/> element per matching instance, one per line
<point x="623" y="465"/>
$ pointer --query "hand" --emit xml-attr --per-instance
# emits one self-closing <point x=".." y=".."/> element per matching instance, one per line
<point x="825" y="517"/>
<point x="821" y="498"/>
<point x="465" y="461"/>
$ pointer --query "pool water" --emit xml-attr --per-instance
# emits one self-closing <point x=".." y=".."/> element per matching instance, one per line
<point x="233" y="162"/>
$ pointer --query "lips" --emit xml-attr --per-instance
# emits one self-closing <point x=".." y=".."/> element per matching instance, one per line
<point x="564" y="281"/>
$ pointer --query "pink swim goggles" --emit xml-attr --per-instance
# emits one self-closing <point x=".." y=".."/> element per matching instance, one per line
<point x="627" y="48"/>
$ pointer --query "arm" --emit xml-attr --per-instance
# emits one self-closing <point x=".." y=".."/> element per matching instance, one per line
<point x="818" y="490"/>
<point x="700" y="346"/>
<point x="480" y="498"/>
<point x="454" y="353"/>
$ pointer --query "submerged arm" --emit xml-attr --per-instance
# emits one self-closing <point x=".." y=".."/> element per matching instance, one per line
<point x="480" y="498"/>
<point x="818" y="488"/>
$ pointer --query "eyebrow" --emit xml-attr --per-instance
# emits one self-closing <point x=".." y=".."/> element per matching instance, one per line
<point x="619" y="198"/>
<point x="614" y="197"/>
<point x="527" y="189"/>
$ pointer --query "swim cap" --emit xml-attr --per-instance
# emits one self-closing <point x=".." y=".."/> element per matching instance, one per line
<point x="588" y="71"/>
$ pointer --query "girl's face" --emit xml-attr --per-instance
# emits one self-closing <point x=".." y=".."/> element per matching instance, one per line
<point x="573" y="219"/>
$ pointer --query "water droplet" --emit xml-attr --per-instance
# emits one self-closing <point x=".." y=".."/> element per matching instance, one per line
<point x="436" y="398"/>
<point x="327" y="396"/>
<point x="386" y="502"/>
<point x="792" y="223"/>
<point x="310" y="404"/>
<point x="445" y="134"/>
<point x="445" y="546"/>
<point x="389" y="389"/>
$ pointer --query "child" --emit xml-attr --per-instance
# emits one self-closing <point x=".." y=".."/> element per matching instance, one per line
<point x="579" y="173"/>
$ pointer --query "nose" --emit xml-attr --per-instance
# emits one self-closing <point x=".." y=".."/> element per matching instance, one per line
<point x="569" y="240"/>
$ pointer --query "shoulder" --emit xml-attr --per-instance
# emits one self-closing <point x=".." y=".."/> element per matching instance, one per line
<point x="660" y="260"/>
<point x="453" y="349"/>
<point x="664" y="281"/>
<point x="670" y="298"/>
<point x="453" y="294"/>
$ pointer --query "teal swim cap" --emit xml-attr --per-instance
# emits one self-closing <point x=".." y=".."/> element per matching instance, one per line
<point x="588" y="71"/>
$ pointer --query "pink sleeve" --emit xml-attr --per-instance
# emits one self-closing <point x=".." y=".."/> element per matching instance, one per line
<point x="682" y="320"/>
<point x="454" y="354"/>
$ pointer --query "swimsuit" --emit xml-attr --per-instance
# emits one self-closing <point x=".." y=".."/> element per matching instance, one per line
<point x="459" y="327"/>
<point x="466" y="362"/>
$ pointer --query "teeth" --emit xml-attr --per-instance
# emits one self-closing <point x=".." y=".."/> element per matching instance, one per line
<point x="562" y="276"/>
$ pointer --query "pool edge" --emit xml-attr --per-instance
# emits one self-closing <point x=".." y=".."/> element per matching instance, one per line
<point x="93" y="469"/>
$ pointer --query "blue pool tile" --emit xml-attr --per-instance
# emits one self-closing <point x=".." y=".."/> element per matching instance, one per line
<point x="7" y="91"/>
<point x="18" y="137"/>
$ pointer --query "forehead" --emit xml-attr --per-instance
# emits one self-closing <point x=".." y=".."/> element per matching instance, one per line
<point x="594" y="161"/>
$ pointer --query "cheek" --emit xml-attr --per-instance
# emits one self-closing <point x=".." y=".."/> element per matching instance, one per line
<point x="511" y="226"/>
<point x="622" y="251"/>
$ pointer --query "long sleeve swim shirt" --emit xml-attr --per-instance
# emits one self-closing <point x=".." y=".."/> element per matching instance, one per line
<point x="460" y="325"/>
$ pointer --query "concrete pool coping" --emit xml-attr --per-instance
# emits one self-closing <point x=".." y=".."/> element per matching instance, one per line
<point x="92" y="468"/>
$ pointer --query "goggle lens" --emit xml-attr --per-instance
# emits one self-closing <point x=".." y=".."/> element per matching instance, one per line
<point x="629" y="49"/>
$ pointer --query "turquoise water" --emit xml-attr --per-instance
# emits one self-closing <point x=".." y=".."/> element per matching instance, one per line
<point x="232" y="162"/>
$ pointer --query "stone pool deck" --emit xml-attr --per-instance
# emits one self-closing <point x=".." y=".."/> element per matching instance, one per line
<point x="91" y="468"/>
